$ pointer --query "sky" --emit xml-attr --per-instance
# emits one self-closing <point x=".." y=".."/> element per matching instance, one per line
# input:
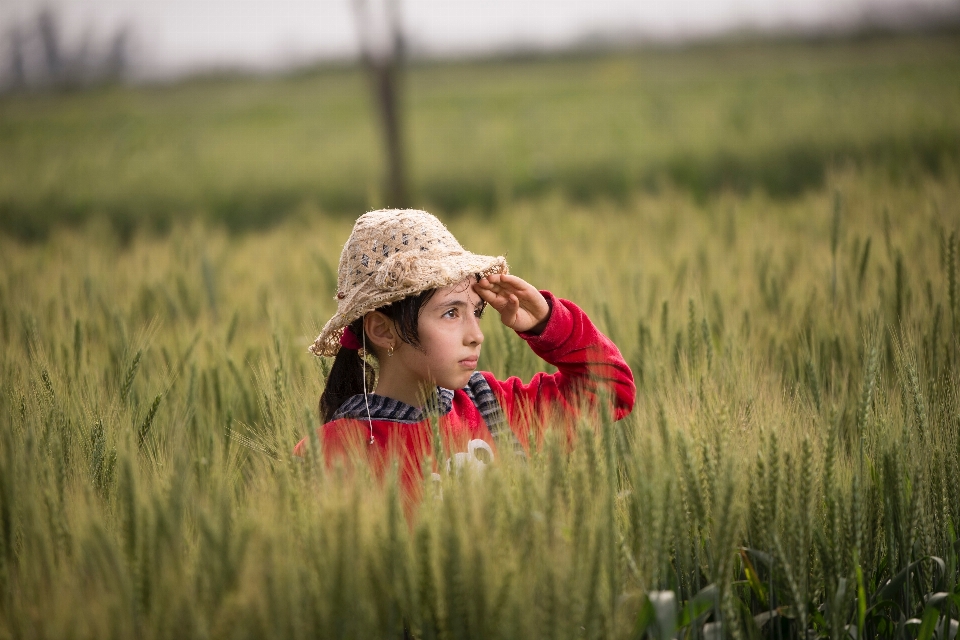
<point x="173" y="37"/>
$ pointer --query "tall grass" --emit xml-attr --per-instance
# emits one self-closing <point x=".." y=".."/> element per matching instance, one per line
<point x="790" y="468"/>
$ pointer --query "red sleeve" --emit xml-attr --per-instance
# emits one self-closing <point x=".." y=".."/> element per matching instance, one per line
<point x="589" y="364"/>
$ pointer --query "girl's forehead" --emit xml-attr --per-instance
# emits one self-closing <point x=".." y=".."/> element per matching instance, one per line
<point x="462" y="290"/>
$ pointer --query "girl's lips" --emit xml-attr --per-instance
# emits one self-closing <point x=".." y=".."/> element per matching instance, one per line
<point x="469" y="362"/>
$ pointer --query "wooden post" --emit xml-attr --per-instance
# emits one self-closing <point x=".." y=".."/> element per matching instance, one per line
<point x="384" y="69"/>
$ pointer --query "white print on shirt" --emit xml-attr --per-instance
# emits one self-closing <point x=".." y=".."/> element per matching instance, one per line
<point x="470" y="459"/>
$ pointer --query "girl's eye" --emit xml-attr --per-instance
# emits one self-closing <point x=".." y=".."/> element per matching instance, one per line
<point x="450" y="313"/>
<point x="478" y="312"/>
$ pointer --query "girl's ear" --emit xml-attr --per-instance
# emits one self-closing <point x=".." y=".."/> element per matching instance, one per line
<point x="380" y="330"/>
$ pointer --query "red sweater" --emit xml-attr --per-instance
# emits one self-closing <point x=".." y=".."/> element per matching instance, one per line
<point x="471" y="419"/>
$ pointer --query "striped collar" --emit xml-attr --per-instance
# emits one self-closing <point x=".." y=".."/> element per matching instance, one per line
<point x="383" y="408"/>
<point x="477" y="389"/>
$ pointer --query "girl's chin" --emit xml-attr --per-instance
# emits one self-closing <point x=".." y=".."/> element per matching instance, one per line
<point x="456" y="382"/>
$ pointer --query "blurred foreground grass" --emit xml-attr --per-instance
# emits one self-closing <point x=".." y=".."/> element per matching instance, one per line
<point x="790" y="466"/>
<point x="248" y="152"/>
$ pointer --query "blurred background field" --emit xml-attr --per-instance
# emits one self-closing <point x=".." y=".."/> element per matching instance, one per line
<point x="762" y="115"/>
<point x="768" y="230"/>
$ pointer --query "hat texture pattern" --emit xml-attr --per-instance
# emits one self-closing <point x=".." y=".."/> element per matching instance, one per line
<point x="392" y="254"/>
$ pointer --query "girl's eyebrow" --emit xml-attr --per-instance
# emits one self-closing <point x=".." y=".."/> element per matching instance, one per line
<point x="460" y="303"/>
<point x="452" y="303"/>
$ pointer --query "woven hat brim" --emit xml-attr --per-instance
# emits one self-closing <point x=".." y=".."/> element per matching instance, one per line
<point x="458" y="267"/>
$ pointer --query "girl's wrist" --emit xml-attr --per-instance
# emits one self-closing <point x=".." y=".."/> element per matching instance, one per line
<point x="537" y="329"/>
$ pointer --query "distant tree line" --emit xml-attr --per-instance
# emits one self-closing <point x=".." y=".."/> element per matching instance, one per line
<point x="37" y="56"/>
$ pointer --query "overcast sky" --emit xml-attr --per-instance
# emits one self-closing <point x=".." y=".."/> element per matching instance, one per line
<point x="176" y="36"/>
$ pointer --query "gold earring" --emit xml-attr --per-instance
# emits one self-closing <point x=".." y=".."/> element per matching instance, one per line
<point x="390" y="351"/>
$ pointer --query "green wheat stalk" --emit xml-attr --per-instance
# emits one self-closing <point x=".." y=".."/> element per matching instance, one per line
<point x="144" y="429"/>
<point x="130" y="375"/>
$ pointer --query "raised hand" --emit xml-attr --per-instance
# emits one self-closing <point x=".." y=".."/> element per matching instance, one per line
<point x="520" y="305"/>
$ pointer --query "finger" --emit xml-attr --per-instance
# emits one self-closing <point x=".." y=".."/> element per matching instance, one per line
<point x="506" y="305"/>
<point x="532" y="304"/>
<point x="494" y="290"/>
<point x="500" y="301"/>
<point x="508" y="313"/>
<point x="484" y="284"/>
<point x="490" y="297"/>
<point x="489" y="280"/>
<point x="514" y="282"/>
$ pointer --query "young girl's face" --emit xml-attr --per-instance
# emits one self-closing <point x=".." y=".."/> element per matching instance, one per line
<point x="450" y="339"/>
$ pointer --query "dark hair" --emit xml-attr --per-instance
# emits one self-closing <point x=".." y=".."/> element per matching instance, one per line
<point x="346" y="377"/>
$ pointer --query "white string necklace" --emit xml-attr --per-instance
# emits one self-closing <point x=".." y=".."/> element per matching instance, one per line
<point x="363" y="359"/>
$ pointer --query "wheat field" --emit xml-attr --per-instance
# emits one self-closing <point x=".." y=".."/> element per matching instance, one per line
<point x="789" y="471"/>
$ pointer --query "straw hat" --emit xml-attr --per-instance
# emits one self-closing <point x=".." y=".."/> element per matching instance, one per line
<point x="391" y="254"/>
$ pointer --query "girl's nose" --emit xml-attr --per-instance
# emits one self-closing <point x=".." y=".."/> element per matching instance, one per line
<point x="473" y="335"/>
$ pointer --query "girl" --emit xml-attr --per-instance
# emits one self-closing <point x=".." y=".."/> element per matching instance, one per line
<point x="411" y="297"/>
